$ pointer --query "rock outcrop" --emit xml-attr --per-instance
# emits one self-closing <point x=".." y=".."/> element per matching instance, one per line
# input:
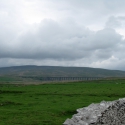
<point x="104" y="113"/>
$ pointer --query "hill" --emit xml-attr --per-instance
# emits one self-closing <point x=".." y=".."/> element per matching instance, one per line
<point x="57" y="71"/>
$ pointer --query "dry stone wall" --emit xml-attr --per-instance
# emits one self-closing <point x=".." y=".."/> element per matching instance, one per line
<point x="104" y="113"/>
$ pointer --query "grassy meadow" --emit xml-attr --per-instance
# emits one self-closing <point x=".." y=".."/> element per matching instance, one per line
<point x="52" y="104"/>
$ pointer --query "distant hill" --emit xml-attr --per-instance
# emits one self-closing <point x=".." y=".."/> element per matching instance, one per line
<point x="57" y="71"/>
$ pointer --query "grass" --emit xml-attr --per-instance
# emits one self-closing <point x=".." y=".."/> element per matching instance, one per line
<point x="52" y="104"/>
<point x="6" y="79"/>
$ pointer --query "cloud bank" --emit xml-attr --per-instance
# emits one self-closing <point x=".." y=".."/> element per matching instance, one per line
<point x="66" y="33"/>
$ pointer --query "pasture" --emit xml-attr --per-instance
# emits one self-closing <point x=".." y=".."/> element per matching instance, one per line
<point x="52" y="104"/>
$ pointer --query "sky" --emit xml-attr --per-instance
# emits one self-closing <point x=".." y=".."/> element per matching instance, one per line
<point x="82" y="33"/>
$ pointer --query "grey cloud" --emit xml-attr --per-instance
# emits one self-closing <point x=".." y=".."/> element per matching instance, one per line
<point x="52" y="41"/>
<point x="121" y="18"/>
<point x="63" y="38"/>
<point x="113" y="22"/>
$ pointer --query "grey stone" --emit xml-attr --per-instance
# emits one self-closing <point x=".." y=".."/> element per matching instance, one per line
<point x="104" y="113"/>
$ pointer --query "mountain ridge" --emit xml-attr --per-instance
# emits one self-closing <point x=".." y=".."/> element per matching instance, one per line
<point x="59" y="71"/>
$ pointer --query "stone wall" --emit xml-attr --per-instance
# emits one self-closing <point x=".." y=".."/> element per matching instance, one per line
<point x="104" y="113"/>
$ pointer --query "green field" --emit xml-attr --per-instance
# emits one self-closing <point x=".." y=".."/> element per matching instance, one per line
<point x="52" y="104"/>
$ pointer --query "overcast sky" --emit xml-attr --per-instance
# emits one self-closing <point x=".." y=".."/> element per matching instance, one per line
<point x="85" y="33"/>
